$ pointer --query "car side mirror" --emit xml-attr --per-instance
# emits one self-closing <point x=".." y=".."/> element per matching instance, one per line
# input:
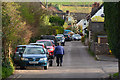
<point x="47" y="48"/>
<point x="21" y="54"/>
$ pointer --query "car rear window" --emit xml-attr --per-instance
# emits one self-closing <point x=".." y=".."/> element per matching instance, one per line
<point x="66" y="35"/>
<point x="47" y="43"/>
<point x="37" y="44"/>
<point x="59" y="38"/>
<point x="34" y="50"/>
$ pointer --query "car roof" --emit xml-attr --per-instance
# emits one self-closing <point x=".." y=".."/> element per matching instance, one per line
<point x="58" y="36"/>
<point x="44" y="40"/>
<point x="34" y="46"/>
<point x="21" y="45"/>
<point x="37" y="43"/>
<point x="66" y="34"/>
<point x="76" y="34"/>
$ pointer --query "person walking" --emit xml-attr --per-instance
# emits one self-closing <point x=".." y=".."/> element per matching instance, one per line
<point x="59" y="52"/>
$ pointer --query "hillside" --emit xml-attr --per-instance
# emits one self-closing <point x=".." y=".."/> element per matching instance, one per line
<point x="75" y="7"/>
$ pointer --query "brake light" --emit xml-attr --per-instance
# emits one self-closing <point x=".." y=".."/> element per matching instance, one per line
<point x="51" y="54"/>
<point x="15" y="49"/>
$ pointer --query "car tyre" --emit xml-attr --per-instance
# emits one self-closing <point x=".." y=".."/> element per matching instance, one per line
<point x="63" y="44"/>
<point x="50" y="63"/>
<point x="46" y="67"/>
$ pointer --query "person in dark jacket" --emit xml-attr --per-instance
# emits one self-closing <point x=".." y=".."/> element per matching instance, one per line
<point x="59" y="52"/>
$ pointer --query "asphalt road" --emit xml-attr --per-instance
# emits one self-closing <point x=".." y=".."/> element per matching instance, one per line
<point x="77" y="64"/>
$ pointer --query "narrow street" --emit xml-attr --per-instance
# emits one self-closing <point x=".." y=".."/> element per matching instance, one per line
<point x="78" y="63"/>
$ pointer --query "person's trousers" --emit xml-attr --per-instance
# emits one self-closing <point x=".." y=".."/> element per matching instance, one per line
<point x="59" y="59"/>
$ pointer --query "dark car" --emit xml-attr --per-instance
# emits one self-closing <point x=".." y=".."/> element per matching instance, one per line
<point x="49" y="37"/>
<point x="34" y="56"/>
<point x="61" y="40"/>
<point x="18" y="52"/>
<point x="68" y="37"/>
<point x="40" y="44"/>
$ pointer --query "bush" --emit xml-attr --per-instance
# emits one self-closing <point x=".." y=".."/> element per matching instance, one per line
<point x="7" y="68"/>
<point x="83" y="39"/>
<point x="115" y="75"/>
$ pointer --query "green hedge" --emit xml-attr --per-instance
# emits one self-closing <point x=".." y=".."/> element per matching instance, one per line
<point x="7" y="68"/>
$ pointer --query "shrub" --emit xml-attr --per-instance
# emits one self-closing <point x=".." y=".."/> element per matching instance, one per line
<point x="7" y="68"/>
<point x="83" y="39"/>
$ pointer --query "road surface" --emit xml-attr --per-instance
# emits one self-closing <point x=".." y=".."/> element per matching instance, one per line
<point x="77" y="64"/>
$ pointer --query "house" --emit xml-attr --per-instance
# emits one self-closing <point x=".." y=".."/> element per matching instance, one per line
<point x="97" y="34"/>
<point x="96" y="24"/>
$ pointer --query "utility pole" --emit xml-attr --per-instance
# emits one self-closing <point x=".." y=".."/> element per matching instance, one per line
<point x="46" y="4"/>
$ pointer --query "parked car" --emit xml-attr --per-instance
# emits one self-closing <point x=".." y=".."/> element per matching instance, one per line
<point x="40" y="44"/>
<point x="50" y="47"/>
<point x="68" y="37"/>
<point x="16" y="57"/>
<point x="61" y="40"/>
<point x="53" y="42"/>
<point x="34" y="56"/>
<point x="76" y="37"/>
<point x="61" y="35"/>
<point x="49" y="37"/>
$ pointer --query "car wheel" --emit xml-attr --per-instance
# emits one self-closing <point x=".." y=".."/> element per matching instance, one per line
<point x="50" y="63"/>
<point x="63" y="44"/>
<point x="46" y="67"/>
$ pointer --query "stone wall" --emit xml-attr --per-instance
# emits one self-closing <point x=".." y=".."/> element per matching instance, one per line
<point x="99" y="48"/>
<point x="96" y="27"/>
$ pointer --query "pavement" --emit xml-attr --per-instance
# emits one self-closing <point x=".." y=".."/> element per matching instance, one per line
<point x="77" y="63"/>
<point x="106" y="58"/>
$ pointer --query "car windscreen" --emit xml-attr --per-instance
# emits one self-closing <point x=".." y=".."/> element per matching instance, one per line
<point x="77" y="35"/>
<point x="59" y="38"/>
<point x="47" y="43"/>
<point x="34" y="50"/>
<point x="60" y="35"/>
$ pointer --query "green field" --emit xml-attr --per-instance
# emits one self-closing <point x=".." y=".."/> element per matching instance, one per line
<point x="74" y="6"/>
<point x="72" y="3"/>
<point x="76" y="9"/>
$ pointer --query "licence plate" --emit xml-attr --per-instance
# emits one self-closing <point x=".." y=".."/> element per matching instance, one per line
<point x="65" y="37"/>
<point x="33" y="62"/>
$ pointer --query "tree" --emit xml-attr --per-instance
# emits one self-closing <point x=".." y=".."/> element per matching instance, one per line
<point x="112" y="25"/>
<point x="56" y="20"/>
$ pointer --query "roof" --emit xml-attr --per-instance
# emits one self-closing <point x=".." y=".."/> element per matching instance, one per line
<point x="51" y="8"/>
<point x="98" y="16"/>
<point x="89" y="16"/>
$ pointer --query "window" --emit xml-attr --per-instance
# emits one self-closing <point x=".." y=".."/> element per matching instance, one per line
<point x="34" y="50"/>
